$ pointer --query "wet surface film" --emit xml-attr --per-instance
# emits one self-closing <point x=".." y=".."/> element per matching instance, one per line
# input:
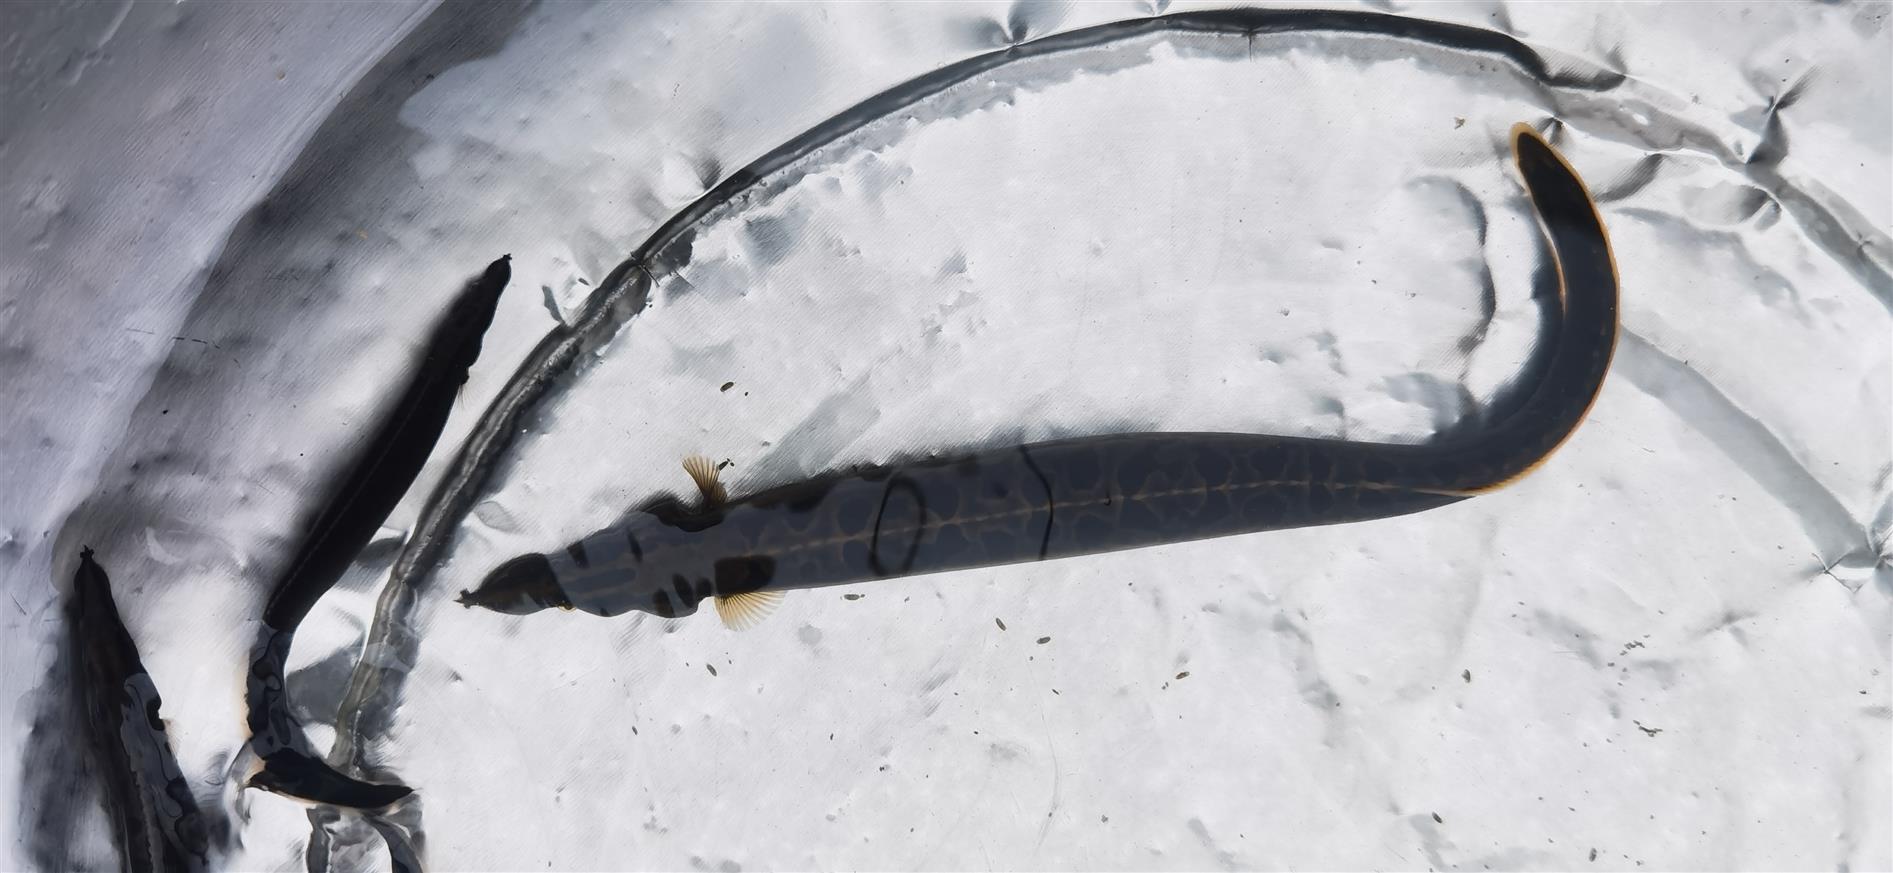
<point x="901" y="281"/>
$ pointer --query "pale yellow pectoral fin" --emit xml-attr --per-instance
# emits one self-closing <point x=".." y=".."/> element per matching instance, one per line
<point x="702" y="471"/>
<point x="746" y="610"/>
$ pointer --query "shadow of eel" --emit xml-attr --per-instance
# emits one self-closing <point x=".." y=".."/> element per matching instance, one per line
<point x="354" y="510"/>
<point x="1089" y="495"/>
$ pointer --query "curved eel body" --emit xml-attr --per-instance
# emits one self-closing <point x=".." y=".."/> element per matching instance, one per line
<point x="332" y="540"/>
<point x="1090" y="495"/>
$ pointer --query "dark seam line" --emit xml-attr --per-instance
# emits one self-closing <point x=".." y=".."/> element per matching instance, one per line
<point x="1051" y="503"/>
<point x="920" y="526"/>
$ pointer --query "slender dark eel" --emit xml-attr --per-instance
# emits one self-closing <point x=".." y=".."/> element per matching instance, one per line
<point x="1084" y="496"/>
<point x="156" y="820"/>
<point x="335" y="536"/>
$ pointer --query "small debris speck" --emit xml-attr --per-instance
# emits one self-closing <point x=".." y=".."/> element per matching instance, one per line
<point x="1436" y="818"/>
<point x="1593" y="854"/>
<point x="1044" y="640"/>
<point x="727" y="386"/>
<point x="1466" y="675"/>
<point x="1183" y="675"/>
<point x="1002" y="625"/>
<point x="711" y="668"/>
<point x="852" y="596"/>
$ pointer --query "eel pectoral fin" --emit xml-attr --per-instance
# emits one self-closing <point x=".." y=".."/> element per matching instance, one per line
<point x="744" y="611"/>
<point x="702" y="471"/>
<point x="294" y="774"/>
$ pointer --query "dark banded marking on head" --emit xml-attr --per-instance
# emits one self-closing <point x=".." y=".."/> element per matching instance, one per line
<point x="682" y="586"/>
<point x="661" y="605"/>
<point x="743" y="574"/>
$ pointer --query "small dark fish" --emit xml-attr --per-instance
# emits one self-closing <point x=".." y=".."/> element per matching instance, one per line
<point x="1083" y="496"/>
<point x="337" y="534"/>
<point x="154" y="817"/>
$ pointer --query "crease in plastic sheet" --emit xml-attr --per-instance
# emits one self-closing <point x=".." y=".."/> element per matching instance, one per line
<point x="1681" y="616"/>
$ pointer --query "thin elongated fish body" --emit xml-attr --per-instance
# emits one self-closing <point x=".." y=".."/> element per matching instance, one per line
<point x="355" y="509"/>
<point x="154" y="816"/>
<point x="1090" y="495"/>
<point x="394" y="455"/>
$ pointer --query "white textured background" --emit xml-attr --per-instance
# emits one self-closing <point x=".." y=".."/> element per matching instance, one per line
<point x="1668" y="648"/>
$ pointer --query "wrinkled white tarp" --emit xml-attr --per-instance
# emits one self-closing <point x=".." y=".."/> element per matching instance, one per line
<point x="1667" y="648"/>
